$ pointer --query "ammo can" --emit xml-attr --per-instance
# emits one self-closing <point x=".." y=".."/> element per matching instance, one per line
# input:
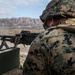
<point x="9" y="59"/>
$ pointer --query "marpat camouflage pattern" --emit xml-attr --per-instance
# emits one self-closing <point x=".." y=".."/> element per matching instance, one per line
<point x="51" y="53"/>
<point x="59" y="8"/>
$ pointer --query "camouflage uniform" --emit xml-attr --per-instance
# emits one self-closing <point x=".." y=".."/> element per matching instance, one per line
<point x="53" y="51"/>
<point x="59" y="8"/>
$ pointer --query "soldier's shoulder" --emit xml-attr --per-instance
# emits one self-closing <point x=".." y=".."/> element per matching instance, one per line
<point x="51" y="32"/>
<point x="47" y="34"/>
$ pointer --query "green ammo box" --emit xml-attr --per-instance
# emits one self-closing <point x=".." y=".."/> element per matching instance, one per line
<point x="9" y="59"/>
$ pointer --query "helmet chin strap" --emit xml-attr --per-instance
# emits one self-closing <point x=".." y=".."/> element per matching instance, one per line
<point x="52" y="23"/>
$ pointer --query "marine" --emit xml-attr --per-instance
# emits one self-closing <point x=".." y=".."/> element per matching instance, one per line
<point x="53" y="51"/>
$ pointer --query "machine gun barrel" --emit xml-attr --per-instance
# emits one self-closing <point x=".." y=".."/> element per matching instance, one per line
<point x="7" y="38"/>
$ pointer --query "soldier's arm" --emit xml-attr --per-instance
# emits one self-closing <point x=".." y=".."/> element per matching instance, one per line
<point x="35" y="61"/>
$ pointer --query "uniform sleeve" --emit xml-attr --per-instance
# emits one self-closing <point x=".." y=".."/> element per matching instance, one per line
<point x="35" y="61"/>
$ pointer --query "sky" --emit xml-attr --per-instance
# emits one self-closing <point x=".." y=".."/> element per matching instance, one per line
<point x="22" y="8"/>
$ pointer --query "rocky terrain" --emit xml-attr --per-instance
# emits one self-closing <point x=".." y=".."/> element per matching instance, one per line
<point x="22" y="22"/>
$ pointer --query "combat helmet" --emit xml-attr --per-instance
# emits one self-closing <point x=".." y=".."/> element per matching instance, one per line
<point x="55" y="8"/>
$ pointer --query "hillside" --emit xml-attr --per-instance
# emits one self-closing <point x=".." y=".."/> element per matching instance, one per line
<point x="22" y="22"/>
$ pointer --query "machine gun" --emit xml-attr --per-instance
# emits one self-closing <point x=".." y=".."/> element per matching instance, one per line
<point x="25" y="37"/>
<point x="10" y="56"/>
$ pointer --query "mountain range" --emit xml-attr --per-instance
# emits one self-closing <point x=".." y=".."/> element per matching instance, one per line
<point x="21" y="22"/>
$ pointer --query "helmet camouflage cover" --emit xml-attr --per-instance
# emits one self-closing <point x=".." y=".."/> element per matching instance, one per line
<point x="59" y="8"/>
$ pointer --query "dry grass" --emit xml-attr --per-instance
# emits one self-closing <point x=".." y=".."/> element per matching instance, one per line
<point x="17" y="31"/>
